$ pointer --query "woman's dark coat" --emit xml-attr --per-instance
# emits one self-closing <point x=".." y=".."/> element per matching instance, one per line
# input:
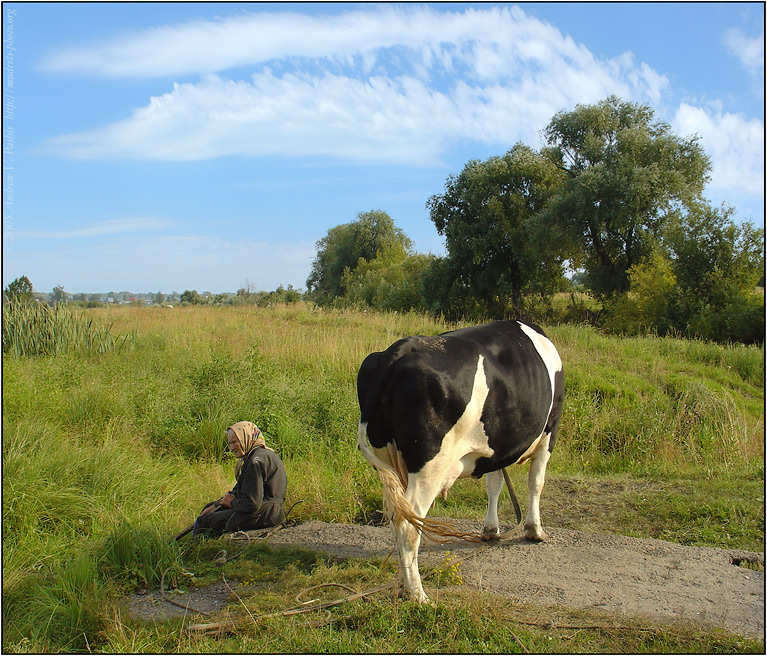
<point x="259" y="496"/>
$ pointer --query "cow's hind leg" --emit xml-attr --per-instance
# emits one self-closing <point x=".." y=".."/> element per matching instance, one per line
<point x="422" y="489"/>
<point x="494" y="485"/>
<point x="535" y="478"/>
<point x="408" y="540"/>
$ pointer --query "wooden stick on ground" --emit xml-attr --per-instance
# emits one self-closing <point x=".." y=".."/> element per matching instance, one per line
<point x="188" y="529"/>
<point x="230" y="624"/>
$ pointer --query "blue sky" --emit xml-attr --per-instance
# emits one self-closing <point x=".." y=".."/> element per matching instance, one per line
<point x="169" y="146"/>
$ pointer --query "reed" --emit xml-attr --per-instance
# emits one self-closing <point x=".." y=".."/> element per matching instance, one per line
<point x="31" y="329"/>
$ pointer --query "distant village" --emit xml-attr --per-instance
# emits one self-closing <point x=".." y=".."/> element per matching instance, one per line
<point x="159" y="299"/>
<point x="58" y="295"/>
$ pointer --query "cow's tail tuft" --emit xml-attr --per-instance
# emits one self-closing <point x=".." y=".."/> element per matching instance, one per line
<point x="396" y="506"/>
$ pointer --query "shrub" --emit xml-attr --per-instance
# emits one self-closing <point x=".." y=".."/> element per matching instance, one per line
<point x="645" y="308"/>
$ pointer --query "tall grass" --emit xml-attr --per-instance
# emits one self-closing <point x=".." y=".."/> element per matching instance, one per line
<point x="106" y="455"/>
<point x="648" y="404"/>
<point x="38" y="329"/>
<point x="81" y="515"/>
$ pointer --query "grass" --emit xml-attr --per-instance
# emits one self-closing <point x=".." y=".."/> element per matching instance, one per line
<point x="461" y="621"/>
<point x="108" y="454"/>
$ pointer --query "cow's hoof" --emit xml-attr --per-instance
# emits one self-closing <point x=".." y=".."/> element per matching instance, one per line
<point x="401" y="592"/>
<point x="490" y="534"/>
<point x="534" y="533"/>
<point x="419" y="597"/>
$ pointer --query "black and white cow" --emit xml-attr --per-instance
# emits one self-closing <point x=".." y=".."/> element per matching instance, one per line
<point x="465" y="403"/>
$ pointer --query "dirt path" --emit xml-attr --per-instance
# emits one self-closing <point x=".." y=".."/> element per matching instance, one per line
<point x="658" y="580"/>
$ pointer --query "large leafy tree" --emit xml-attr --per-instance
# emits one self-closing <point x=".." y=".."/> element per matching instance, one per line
<point x="625" y="174"/>
<point x="345" y="246"/>
<point x="701" y="281"/>
<point x="496" y="252"/>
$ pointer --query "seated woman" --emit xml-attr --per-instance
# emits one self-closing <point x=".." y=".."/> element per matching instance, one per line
<point x="257" y="500"/>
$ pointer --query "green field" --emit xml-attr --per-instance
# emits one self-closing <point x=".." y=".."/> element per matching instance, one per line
<point x="107" y="455"/>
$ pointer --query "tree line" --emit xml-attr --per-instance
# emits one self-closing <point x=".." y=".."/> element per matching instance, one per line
<point x="613" y="198"/>
<point x="20" y="291"/>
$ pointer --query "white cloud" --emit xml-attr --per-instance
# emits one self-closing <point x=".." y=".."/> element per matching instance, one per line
<point x="101" y="228"/>
<point x="394" y="84"/>
<point x="485" y="40"/>
<point x="734" y="143"/>
<point x="296" y="115"/>
<point x="369" y="93"/>
<point x="750" y="50"/>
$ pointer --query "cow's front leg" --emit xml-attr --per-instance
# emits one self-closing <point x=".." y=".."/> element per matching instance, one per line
<point x="494" y="485"/>
<point x="535" y="478"/>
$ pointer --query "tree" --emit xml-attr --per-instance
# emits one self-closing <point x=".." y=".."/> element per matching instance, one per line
<point x="646" y="306"/>
<point x="717" y="265"/>
<point x="343" y="248"/>
<point x="244" y="292"/>
<point x="289" y="295"/>
<point x="390" y="281"/>
<point x="159" y="298"/>
<point x="626" y="173"/>
<point x="496" y="253"/>
<point x="191" y="297"/>
<point x="58" y="295"/>
<point x="19" y="290"/>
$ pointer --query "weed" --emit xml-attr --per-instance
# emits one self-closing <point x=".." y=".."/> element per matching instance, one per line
<point x="448" y="572"/>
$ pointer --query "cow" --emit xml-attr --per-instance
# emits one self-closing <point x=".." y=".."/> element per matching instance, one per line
<point x="468" y="402"/>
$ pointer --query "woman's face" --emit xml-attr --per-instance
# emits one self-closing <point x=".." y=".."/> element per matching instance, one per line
<point x="234" y="445"/>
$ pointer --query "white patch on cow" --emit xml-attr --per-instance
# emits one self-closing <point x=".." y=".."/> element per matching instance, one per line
<point x="362" y="435"/>
<point x="466" y="440"/>
<point x="377" y="457"/>
<point x="548" y="354"/>
<point x="461" y="446"/>
<point x="494" y="485"/>
<point x="530" y="450"/>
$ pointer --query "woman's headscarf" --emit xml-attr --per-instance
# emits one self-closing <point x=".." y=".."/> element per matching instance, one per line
<point x="249" y="436"/>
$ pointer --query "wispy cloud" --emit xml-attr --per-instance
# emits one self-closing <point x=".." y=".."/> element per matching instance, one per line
<point x="394" y="84"/>
<point x="750" y="50"/>
<point x="485" y="41"/>
<point x="112" y="227"/>
<point x="369" y="85"/>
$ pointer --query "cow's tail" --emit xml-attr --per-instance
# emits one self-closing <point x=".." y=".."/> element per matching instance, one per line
<point x="396" y="506"/>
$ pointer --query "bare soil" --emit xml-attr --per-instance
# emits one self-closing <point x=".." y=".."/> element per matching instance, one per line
<point x="637" y="578"/>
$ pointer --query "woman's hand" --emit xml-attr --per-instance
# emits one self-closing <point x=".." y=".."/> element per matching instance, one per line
<point x="208" y="510"/>
<point x="226" y="500"/>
